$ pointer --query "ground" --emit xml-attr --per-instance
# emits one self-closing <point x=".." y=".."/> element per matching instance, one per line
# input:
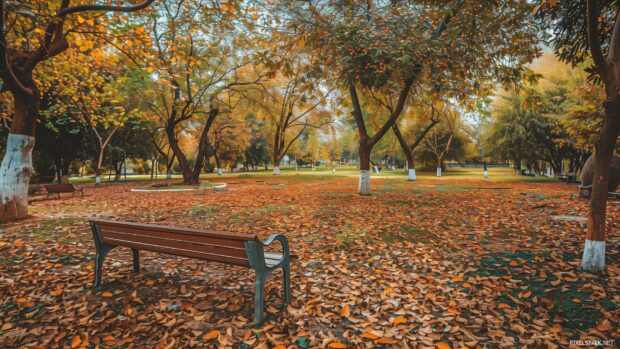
<point x="449" y="262"/>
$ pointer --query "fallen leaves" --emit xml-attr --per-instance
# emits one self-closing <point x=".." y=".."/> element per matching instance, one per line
<point x="211" y="335"/>
<point x="448" y="269"/>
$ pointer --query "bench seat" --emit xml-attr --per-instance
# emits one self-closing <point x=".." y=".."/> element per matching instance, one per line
<point x="58" y="188"/>
<point x="244" y="250"/>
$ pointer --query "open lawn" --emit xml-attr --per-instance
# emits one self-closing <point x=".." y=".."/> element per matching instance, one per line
<point x="495" y="174"/>
<point x="447" y="262"/>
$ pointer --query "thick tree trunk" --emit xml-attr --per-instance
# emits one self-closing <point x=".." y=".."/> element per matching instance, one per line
<point x="594" y="249"/>
<point x="16" y="168"/>
<point x="364" y="182"/>
<point x="15" y="173"/>
<point x="189" y="177"/>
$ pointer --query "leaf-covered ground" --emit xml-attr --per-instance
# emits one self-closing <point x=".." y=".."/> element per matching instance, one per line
<point x="435" y="263"/>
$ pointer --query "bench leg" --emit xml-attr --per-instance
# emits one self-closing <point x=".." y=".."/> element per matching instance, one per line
<point x="259" y="295"/>
<point x="286" y="270"/>
<point x="136" y="260"/>
<point x="102" y="251"/>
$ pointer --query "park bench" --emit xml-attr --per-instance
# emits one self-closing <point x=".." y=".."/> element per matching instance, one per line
<point x="244" y="250"/>
<point x="586" y="191"/>
<point x="58" y="188"/>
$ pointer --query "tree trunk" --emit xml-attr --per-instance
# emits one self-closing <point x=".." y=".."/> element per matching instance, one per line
<point x="594" y="250"/>
<point x="186" y="169"/>
<point x="364" y="182"/>
<point x="408" y="153"/>
<point x="276" y="165"/>
<point x="16" y="167"/>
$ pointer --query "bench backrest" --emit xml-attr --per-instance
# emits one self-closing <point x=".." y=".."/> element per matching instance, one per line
<point x="222" y="247"/>
<point x="59" y="188"/>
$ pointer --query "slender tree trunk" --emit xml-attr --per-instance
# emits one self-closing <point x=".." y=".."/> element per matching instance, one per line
<point x="594" y="250"/>
<point x="169" y="164"/>
<point x="364" y="181"/>
<point x="408" y="152"/>
<point x="16" y="168"/>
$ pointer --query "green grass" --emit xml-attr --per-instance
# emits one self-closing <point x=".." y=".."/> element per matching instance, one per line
<point x="496" y="175"/>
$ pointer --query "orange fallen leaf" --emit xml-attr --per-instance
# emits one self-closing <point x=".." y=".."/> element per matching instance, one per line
<point x="454" y="311"/>
<point x="556" y="328"/>
<point x="369" y="335"/>
<point x="56" y="293"/>
<point x="603" y="327"/>
<point x="75" y="341"/>
<point x="337" y="345"/>
<point x="443" y="345"/>
<point x="19" y="243"/>
<point x="211" y="335"/>
<point x="346" y="311"/>
<point x="399" y="320"/>
<point x="503" y="306"/>
<point x="527" y="294"/>
<point x="384" y="340"/>
<point x="514" y="264"/>
<point x="107" y="294"/>
<point x="21" y="300"/>
<point x="388" y="291"/>
<point x="279" y="347"/>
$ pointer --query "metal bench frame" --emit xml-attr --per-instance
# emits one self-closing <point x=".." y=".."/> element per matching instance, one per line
<point x="255" y="250"/>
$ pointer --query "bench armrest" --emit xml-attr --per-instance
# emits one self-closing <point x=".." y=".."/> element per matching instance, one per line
<point x="256" y="252"/>
<point x="283" y="241"/>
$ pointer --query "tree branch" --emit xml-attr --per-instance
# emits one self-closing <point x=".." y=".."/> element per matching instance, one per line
<point x="593" y="34"/>
<point x="108" y="8"/>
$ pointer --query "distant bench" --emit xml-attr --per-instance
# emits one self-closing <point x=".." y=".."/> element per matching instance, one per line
<point x="586" y="191"/>
<point x="244" y="250"/>
<point x="58" y="188"/>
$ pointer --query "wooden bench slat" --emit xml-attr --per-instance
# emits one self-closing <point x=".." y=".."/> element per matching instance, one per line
<point x="204" y="239"/>
<point x="175" y="243"/>
<point x="181" y="252"/>
<point x="164" y="228"/>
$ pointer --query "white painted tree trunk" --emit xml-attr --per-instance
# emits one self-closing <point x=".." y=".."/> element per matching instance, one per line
<point x="486" y="174"/>
<point x="364" y="184"/>
<point x="376" y="169"/>
<point x="411" y="177"/>
<point x="168" y="175"/>
<point x="15" y="173"/>
<point x="438" y="171"/>
<point x="97" y="179"/>
<point x="334" y="170"/>
<point x="276" y="170"/>
<point x="593" y="256"/>
<point x="219" y="171"/>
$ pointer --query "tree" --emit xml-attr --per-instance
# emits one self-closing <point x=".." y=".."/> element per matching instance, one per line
<point x="445" y="141"/>
<point x="96" y="91"/>
<point x="409" y="147"/>
<point x="583" y="28"/>
<point x="193" y="66"/>
<point x="257" y="150"/>
<point x="291" y="110"/>
<point x="520" y="131"/>
<point x="35" y="34"/>
<point x="386" y="47"/>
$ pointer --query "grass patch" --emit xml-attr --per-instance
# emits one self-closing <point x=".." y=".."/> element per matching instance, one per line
<point x="347" y="236"/>
<point x="250" y="215"/>
<point x="407" y="233"/>
<point x="56" y="231"/>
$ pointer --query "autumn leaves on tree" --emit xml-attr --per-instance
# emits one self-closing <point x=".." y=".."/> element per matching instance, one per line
<point x="20" y="54"/>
